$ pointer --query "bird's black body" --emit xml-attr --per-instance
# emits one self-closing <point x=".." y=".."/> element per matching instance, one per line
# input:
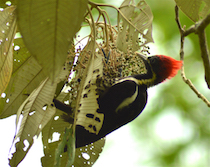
<point x="126" y="98"/>
<point x="108" y="104"/>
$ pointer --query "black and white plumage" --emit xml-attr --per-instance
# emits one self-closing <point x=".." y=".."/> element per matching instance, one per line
<point x="120" y="103"/>
<point x="115" y="117"/>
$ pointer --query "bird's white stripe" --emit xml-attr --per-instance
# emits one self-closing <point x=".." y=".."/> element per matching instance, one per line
<point x="128" y="100"/>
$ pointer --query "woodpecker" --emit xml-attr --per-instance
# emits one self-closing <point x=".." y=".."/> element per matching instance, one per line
<point x="125" y="99"/>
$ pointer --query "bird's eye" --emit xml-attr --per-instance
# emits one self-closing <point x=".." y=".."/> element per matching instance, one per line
<point x="153" y="60"/>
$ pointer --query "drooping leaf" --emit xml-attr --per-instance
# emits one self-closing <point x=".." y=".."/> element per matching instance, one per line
<point x="48" y="28"/>
<point x="84" y="155"/>
<point x="7" y="32"/>
<point x="136" y="25"/>
<point x="36" y="111"/>
<point x="88" y="102"/>
<point x="194" y="9"/>
<point x="27" y="74"/>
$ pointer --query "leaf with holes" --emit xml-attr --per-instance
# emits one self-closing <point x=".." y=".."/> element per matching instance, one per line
<point x="56" y="125"/>
<point x="194" y="9"/>
<point x="7" y="32"/>
<point x="88" y="107"/>
<point x="32" y="116"/>
<point x="135" y="27"/>
<point x="48" y="28"/>
<point x="84" y="156"/>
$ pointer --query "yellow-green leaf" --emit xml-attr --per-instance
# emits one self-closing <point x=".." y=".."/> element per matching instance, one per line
<point x="48" y="28"/>
<point x="36" y="111"/>
<point x="136" y="23"/>
<point x="194" y="9"/>
<point x="7" y="32"/>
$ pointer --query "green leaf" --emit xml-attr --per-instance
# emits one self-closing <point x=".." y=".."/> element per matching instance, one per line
<point x="7" y="32"/>
<point x="48" y="28"/>
<point x="36" y="111"/>
<point x="27" y="74"/>
<point x="136" y="23"/>
<point x="194" y="9"/>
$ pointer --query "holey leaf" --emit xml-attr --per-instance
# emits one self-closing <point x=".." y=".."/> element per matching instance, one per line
<point x="32" y="116"/>
<point x="88" y="101"/>
<point x="194" y="9"/>
<point x="48" y="27"/>
<point x="84" y="156"/>
<point x="7" y="33"/>
<point x="135" y="23"/>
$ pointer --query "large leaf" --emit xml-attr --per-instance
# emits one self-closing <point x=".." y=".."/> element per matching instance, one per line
<point x="88" y="102"/>
<point x="194" y="9"/>
<point x="136" y="24"/>
<point x="27" y="74"/>
<point x="48" y="28"/>
<point x="7" y="33"/>
<point x="36" y="111"/>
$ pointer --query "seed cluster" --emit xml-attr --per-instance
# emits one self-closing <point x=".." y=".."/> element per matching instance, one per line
<point x="116" y="64"/>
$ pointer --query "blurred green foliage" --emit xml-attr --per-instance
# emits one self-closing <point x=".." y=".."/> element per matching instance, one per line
<point x="176" y="98"/>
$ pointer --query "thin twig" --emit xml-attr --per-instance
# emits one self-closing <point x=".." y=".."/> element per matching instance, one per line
<point x="185" y="79"/>
<point x="199" y="28"/>
<point x="93" y="4"/>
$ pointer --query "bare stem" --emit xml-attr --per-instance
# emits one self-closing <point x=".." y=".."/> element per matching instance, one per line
<point x="199" y="28"/>
<point x="183" y="34"/>
<point x="205" y="55"/>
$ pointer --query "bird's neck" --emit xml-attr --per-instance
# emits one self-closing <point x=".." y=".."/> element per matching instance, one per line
<point x="148" y="78"/>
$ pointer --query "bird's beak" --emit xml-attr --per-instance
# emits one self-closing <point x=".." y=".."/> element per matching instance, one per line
<point x="143" y="57"/>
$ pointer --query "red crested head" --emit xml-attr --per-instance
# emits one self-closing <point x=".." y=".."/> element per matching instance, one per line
<point x="164" y="67"/>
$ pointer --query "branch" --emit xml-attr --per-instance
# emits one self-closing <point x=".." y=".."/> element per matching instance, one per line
<point x="199" y="28"/>
<point x="205" y="55"/>
<point x="183" y="34"/>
